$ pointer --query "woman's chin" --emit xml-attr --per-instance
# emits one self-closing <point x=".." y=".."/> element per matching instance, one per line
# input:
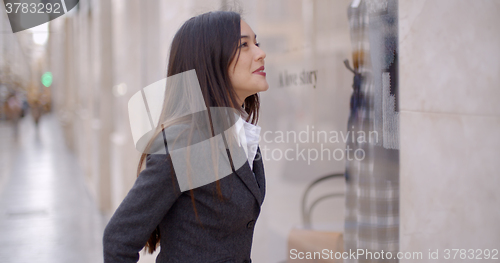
<point x="263" y="87"/>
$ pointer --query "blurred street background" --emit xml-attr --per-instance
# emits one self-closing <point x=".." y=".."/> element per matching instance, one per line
<point x="47" y="214"/>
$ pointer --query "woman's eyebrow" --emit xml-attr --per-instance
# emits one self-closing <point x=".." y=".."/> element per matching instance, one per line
<point x="245" y="36"/>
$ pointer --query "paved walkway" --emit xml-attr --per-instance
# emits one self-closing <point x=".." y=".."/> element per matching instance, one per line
<point x="46" y="213"/>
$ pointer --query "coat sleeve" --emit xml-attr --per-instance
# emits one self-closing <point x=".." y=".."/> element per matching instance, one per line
<point x="154" y="192"/>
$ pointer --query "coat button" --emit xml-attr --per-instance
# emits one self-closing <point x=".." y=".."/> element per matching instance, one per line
<point x="251" y="224"/>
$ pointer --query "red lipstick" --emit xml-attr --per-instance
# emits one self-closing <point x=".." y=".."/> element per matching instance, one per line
<point x="260" y="71"/>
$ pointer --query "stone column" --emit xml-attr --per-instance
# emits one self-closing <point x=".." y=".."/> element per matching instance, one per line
<point x="450" y="122"/>
<point x="102" y="100"/>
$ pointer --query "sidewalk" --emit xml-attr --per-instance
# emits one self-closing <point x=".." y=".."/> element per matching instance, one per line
<point x="46" y="213"/>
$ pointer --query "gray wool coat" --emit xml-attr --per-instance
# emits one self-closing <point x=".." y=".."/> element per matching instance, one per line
<point x="223" y="231"/>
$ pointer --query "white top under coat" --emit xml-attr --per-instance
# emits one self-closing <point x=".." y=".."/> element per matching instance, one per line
<point x="248" y="138"/>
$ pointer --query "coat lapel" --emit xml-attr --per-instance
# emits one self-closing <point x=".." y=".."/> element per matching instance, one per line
<point x="258" y="170"/>
<point x="256" y="184"/>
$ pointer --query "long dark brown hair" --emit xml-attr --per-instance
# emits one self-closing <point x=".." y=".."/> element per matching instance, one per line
<point x="208" y="43"/>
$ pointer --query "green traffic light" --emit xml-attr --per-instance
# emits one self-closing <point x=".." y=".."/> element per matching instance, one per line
<point x="47" y="79"/>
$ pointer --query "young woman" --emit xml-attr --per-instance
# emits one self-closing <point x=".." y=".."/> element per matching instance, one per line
<point x="214" y="222"/>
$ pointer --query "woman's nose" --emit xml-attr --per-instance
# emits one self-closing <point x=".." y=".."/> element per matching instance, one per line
<point x="260" y="54"/>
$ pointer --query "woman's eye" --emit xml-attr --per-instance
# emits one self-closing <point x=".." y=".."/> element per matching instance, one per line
<point x="245" y="44"/>
<point x="257" y="44"/>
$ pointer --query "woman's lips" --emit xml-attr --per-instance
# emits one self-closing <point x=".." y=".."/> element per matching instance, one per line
<point x="260" y="71"/>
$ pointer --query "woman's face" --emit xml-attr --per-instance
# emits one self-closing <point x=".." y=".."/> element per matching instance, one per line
<point x="247" y="75"/>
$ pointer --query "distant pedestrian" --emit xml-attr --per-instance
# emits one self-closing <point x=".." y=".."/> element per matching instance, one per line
<point x="14" y="111"/>
<point x="36" y="111"/>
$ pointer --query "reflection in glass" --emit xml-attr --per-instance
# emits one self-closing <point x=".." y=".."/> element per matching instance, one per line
<point x="372" y="190"/>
